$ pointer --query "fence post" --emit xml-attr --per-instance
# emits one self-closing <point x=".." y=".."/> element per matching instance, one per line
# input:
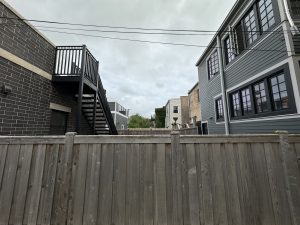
<point x="285" y="151"/>
<point x="69" y="141"/>
<point x="176" y="178"/>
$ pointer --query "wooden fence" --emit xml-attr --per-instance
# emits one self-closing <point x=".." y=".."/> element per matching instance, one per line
<point x="157" y="180"/>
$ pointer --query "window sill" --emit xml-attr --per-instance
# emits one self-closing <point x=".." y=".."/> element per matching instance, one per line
<point x="265" y="114"/>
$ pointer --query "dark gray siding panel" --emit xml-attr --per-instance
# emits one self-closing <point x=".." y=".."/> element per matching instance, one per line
<point x="209" y="89"/>
<point x="112" y="106"/>
<point x="121" y="120"/>
<point x="290" y="125"/>
<point x="271" y="51"/>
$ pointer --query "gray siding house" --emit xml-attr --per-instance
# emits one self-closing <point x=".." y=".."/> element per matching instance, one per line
<point x="249" y="76"/>
<point x="120" y="115"/>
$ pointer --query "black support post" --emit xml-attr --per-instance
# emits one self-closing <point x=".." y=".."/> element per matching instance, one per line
<point x="80" y="90"/>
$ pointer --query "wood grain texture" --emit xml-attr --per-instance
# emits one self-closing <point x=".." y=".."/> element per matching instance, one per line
<point x="106" y="185"/>
<point x="92" y="184"/>
<point x="34" y="185"/>
<point x="8" y="182"/>
<point x="48" y="184"/>
<point x="21" y="185"/>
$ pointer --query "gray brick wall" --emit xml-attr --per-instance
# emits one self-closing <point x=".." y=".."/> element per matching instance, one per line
<point x="21" y="40"/>
<point x="26" y="110"/>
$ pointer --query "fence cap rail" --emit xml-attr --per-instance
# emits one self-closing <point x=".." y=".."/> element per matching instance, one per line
<point x="32" y="139"/>
<point x="123" y="139"/>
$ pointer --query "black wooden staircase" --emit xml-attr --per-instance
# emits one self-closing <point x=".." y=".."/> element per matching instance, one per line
<point x="78" y="69"/>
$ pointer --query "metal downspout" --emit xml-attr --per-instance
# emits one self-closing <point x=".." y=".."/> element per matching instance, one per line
<point x="294" y="28"/>
<point x="224" y="96"/>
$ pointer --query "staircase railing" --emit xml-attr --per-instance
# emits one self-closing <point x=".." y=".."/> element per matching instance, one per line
<point x="106" y="109"/>
<point x="69" y="62"/>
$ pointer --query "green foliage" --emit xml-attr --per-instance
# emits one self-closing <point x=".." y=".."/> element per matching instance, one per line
<point x="160" y="115"/>
<point x="137" y="121"/>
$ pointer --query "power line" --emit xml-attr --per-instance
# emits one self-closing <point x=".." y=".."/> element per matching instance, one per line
<point x="132" y="28"/>
<point x="157" y="42"/>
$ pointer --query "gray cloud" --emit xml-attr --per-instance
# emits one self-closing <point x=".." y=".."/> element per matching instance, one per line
<point x="138" y="75"/>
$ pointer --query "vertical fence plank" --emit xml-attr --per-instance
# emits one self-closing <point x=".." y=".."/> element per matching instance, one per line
<point x="77" y="188"/>
<point x="193" y="185"/>
<point x="185" y="184"/>
<point x="48" y="185"/>
<point x="20" y="190"/>
<point x="148" y="185"/>
<point x="276" y="179"/>
<point x="119" y="191"/>
<point x="297" y="147"/>
<point x="132" y="185"/>
<point x="3" y="153"/>
<point x="160" y="185"/>
<point x="106" y="185"/>
<point x="231" y="186"/>
<point x="8" y="182"/>
<point x="178" y="172"/>
<point x="92" y="184"/>
<point x="175" y="144"/>
<point x="266" y="214"/>
<point x="141" y="166"/>
<point x="247" y="189"/>
<point x="169" y="186"/>
<point x="34" y="185"/>
<point x="62" y="182"/>
<point x="293" y="176"/>
<point x="207" y="200"/>
<point x="198" y="150"/>
<point x="218" y="187"/>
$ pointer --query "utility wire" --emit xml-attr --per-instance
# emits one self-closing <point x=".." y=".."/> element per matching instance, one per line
<point x="135" y="40"/>
<point x="130" y="28"/>
<point x="156" y="42"/>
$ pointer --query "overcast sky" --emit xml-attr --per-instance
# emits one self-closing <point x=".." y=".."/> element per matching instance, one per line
<point x="139" y="76"/>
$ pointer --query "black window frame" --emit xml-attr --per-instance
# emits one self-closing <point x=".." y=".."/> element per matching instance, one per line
<point x="219" y="102"/>
<point x="175" y="109"/>
<point x="229" y="51"/>
<point x="241" y="42"/>
<point x="213" y="56"/>
<point x="267" y="81"/>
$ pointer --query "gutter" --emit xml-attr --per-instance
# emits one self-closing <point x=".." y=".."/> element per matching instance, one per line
<point x="294" y="28"/>
<point x="224" y="96"/>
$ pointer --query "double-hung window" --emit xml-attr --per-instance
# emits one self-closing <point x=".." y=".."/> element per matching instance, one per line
<point x="230" y="50"/>
<point x="266" y="13"/>
<point x="260" y="96"/>
<point x="279" y="98"/>
<point x="219" y="109"/>
<point x="250" y="27"/>
<point x="247" y="107"/>
<point x="213" y="65"/>
<point x="236" y="104"/>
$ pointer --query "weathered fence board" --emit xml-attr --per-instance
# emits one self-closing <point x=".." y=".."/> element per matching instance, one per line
<point x="168" y="180"/>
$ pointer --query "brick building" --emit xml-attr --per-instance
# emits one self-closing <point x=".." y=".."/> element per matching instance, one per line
<point x="194" y="105"/>
<point x="46" y="89"/>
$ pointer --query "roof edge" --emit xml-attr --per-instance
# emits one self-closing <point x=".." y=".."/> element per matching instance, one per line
<point x="210" y="45"/>
<point x="6" y="4"/>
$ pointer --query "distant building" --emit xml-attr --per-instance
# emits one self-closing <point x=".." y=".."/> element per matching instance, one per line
<point x="194" y="106"/>
<point x="176" y="112"/>
<point x="184" y="100"/>
<point x="120" y="115"/>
